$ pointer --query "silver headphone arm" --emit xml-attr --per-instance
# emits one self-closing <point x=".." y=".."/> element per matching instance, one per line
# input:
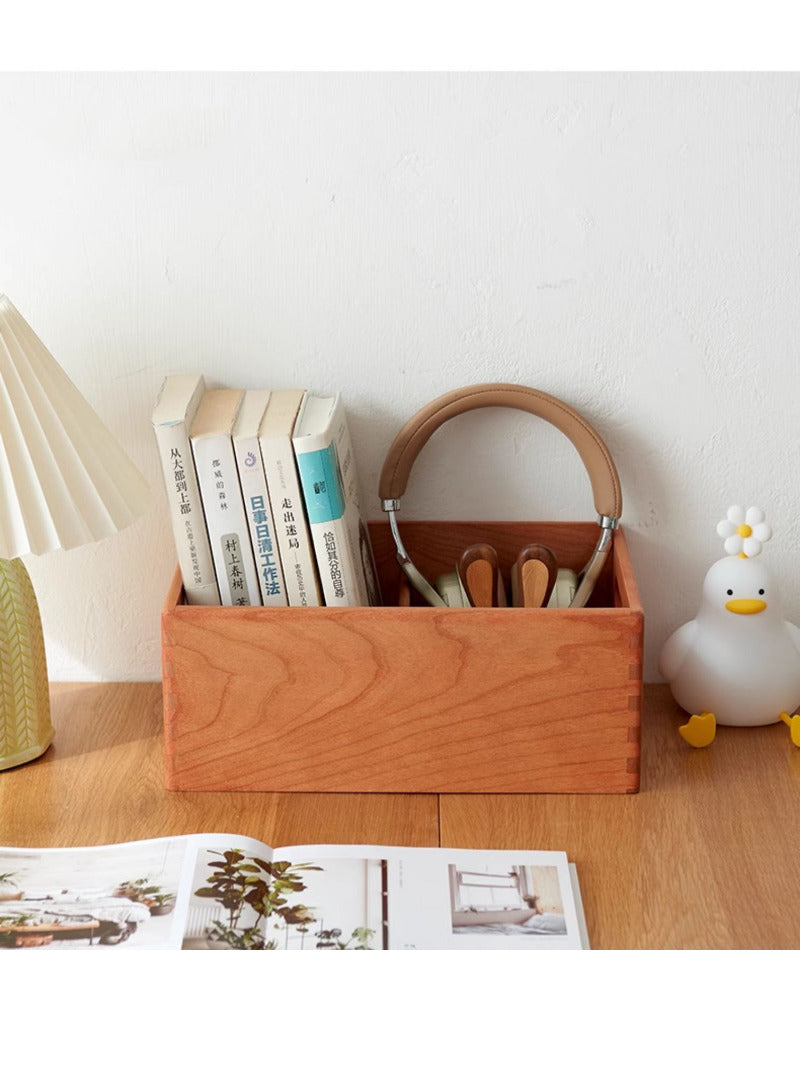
<point x="415" y="576"/>
<point x="590" y="573"/>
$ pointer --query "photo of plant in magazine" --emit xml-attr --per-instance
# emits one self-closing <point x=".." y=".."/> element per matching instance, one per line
<point x="241" y="900"/>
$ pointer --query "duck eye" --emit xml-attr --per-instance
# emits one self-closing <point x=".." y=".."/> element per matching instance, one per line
<point x="761" y="592"/>
<point x="730" y="592"/>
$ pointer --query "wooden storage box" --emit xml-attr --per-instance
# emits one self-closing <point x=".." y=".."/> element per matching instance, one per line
<point x="412" y="699"/>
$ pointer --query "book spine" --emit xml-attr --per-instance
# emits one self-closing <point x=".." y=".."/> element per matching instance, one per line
<point x="360" y="544"/>
<point x="226" y="523"/>
<point x="186" y="514"/>
<point x="292" y="534"/>
<point x="258" y="510"/>
<point x="326" y="506"/>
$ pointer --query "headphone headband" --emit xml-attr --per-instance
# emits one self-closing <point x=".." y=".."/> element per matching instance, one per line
<point x="413" y="436"/>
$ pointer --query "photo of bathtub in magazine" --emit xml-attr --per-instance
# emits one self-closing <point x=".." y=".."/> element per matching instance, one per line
<point x="223" y="892"/>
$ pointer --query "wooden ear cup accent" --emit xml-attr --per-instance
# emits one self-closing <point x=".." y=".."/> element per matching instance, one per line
<point x="478" y="570"/>
<point x="533" y="577"/>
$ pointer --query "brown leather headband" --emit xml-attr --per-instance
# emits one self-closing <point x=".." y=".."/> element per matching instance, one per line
<point x="412" y="437"/>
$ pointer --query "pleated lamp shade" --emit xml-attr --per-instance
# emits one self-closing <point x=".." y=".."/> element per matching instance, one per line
<point x="64" y="479"/>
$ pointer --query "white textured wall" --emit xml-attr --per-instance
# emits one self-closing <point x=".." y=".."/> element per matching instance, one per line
<point x="627" y="242"/>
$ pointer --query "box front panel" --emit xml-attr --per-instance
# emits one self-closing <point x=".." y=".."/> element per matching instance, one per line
<point x="403" y="700"/>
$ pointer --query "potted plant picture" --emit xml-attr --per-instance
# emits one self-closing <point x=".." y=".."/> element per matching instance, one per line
<point x="8" y="887"/>
<point x="142" y="891"/>
<point x="252" y="892"/>
<point x="161" y="903"/>
<point x="20" y="918"/>
<point x="137" y="890"/>
<point x="298" y="917"/>
<point x="359" y="939"/>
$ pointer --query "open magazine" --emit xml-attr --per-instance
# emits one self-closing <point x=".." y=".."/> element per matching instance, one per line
<point x="222" y="891"/>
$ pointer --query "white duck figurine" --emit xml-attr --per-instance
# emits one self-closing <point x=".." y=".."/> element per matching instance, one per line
<point x="738" y="662"/>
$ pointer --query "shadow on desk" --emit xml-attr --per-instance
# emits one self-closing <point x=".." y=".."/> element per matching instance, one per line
<point x="91" y="716"/>
<point x="747" y="756"/>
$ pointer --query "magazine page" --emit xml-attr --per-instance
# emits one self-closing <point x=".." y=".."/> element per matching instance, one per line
<point x="138" y="894"/>
<point x="233" y="888"/>
<point x="226" y="891"/>
<point x="369" y="897"/>
<point x="576" y="890"/>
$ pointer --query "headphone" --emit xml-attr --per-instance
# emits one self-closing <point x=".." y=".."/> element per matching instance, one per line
<point x="596" y="458"/>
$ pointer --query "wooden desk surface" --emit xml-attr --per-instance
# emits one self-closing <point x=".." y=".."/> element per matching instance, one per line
<point x="707" y="855"/>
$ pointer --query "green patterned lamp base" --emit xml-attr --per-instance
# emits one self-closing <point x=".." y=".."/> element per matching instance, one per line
<point x="25" y="727"/>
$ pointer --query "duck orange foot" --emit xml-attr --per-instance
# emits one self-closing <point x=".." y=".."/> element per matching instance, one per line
<point x="793" y="722"/>
<point x="700" y="730"/>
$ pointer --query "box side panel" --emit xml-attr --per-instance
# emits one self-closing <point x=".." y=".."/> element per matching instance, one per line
<point x="175" y="593"/>
<point x="625" y="590"/>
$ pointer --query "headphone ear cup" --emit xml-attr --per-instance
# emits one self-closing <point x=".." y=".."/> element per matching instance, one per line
<point x="564" y="591"/>
<point x="533" y="577"/>
<point x="476" y="582"/>
<point x="479" y="572"/>
<point x="452" y="592"/>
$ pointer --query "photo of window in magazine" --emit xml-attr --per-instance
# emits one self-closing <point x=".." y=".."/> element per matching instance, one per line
<point x="225" y="892"/>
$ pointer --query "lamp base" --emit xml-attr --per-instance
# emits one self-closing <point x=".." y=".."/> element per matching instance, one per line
<point x="25" y="727"/>
<point x="27" y="755"/>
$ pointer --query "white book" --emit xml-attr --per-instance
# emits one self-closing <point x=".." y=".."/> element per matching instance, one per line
<point x="175" y="408"/>
<point x="291" y="527"/>
<point x="327" y="470"/>
<point x="255" y="495"/>
<point x="215" y="463"/>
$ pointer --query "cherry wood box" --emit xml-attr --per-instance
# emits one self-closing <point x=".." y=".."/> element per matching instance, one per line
<point x="412" y="699"/>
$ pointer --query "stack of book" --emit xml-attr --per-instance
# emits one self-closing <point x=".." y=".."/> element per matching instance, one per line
<point x="263" y="496"/>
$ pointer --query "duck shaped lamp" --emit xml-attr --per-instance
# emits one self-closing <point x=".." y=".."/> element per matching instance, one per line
<point x="737" y="663"/>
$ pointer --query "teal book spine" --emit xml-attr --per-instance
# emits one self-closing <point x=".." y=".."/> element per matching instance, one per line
<point x="327" y="475"/>
<point x="322" y="486"/>
<point x="326" y="503"/>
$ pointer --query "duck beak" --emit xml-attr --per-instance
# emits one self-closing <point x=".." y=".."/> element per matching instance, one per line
<point x="745" y="607"/>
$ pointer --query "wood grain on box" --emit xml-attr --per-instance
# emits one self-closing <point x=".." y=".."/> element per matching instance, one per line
<point x="412" y="699"/>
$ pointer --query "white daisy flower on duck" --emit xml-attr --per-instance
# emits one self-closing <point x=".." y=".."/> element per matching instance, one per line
<point x="744" y="532"/>
<point x="737" y="663"/>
